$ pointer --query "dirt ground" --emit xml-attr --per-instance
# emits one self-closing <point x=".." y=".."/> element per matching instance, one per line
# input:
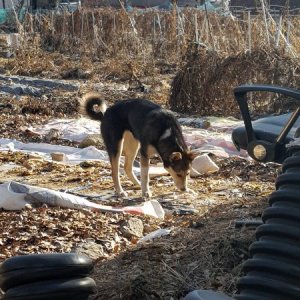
<point x="203" y="249"/>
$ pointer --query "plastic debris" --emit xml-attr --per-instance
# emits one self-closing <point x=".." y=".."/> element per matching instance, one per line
<point x="155" y="234"/>
<point x="15" y="196"/>
<point x="203" y="164"/>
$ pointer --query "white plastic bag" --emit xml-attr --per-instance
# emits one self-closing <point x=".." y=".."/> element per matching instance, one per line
<point x="203" y="164"/>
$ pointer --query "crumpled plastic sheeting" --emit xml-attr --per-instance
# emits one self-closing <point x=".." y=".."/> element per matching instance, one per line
<point x="73" y="155"/>
<point x="15" y="196"/>
<point x="217" y="143"/>
<point x="201" y="165"/>
<point x="71" y="129"/>
<point x="212" y="135"/>
<point x="214" y="139"/>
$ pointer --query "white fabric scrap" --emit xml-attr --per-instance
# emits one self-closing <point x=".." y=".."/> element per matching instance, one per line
<point x="15" y="196"/>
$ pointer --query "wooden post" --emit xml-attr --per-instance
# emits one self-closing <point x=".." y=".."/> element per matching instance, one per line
<point x="288" y="34"/>
<point x="265" y="20"/>
<point x="278" y="32"/>
<point x="196" y="29"/>
<point x="154" y="28"/>
<point x="249" y="31"/>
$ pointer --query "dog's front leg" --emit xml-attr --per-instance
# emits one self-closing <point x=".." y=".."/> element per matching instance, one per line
<point x="115" y="162"/>
<point x="145" y="162"/>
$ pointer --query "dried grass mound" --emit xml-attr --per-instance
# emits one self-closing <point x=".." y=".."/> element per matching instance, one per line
<point x="204" y="86"/>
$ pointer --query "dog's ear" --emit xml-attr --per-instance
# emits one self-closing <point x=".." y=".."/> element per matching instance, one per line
<point x="175" y="156"/>
<point x="192" y="155"/>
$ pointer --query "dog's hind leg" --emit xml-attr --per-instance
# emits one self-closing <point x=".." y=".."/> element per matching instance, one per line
<point x="145" y="162"/>
<point x="113" y="138"/>
<point x="130" y="149"/>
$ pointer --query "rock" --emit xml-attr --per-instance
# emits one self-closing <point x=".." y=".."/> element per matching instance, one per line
<point x="133" y="227"/>
<point x="93" y="250"/>
<point x="53" y="134"/>
<point x="91" y="140"/>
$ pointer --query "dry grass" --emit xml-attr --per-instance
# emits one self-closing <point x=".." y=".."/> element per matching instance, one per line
<point x="156" y="34"/>
<point x="213" y="53"/>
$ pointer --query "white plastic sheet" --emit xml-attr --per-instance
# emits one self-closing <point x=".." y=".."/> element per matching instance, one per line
<point x="15" y="196"/>
<point x="73" y="155"/>
<point x="71" y="129"/>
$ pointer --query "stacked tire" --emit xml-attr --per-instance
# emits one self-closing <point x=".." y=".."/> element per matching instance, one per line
<point x="58" y="276"/>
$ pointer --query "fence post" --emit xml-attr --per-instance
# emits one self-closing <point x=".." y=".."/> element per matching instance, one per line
<point x="249" y="31"/>
<point x="265" y="20"/>
<point x="196" y="28"/>
<point x="278" y="32"/>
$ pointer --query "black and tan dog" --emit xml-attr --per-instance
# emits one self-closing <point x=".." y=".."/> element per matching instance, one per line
<point x="135" y="124"/>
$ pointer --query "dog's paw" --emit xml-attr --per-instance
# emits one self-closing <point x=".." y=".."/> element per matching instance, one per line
<point x="122" y="194"/>
<point x="146" y="194"/>
<point x="190" y="191"/>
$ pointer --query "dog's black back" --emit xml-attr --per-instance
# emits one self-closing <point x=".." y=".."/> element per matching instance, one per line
<point x="147" y="122"/>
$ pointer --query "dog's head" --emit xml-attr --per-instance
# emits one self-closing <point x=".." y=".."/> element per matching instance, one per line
<point x="178" y="166"/>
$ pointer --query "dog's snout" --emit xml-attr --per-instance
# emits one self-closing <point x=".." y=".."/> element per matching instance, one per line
<point x="183" y="189"/>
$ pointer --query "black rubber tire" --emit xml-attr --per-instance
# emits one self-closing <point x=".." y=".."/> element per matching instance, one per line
<point x="24" y="269"/>
<point x="70" y="289"/>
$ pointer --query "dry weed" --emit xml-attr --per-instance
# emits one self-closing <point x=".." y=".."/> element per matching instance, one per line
<point x="205" y="84"/>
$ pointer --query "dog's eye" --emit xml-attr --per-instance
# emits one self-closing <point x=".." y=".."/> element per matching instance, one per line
<point x="179" y="175"/>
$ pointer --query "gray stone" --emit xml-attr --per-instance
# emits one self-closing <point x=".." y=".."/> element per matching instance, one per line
<point x="133" y="227"/>
<point x="93" y="250"/>
<point x="91" y="140"/>
<point x="53" y="134"/>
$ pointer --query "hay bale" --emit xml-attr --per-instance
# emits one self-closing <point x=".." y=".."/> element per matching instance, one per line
<point x="204" y="86"/>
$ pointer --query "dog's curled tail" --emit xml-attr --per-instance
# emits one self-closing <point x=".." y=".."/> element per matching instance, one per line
<point x="92" y="106"/>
